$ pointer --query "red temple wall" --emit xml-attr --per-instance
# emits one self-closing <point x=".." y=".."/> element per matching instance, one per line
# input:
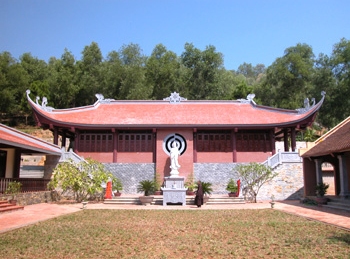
<point x="214" y="157"/>
<point x="134" y="157"/>
<point x="98" y="156"/>
<point x="122" y="157"/>
<point x="246" y="157"/>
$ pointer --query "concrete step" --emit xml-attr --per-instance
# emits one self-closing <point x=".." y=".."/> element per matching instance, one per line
<point x="336" y="207"/>
<point x="338" y="203"/>
<point x="122" y="200"/>
<point x="4" y="205"/>
<point x="346" y="202"/>
<point x="158" y="200"/>
<point x="8" y="207"/>
<point x="224" y="200"/>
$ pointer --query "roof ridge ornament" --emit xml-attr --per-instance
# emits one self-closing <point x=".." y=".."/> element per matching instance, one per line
<point x="101" y="98"/>
<point x="249" y="99"/>
<point x="43" y="104"/>
<point x="174" y="98"/>
<point x="307" y="105"/>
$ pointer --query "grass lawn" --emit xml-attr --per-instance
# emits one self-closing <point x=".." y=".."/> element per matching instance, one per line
<point x="176" y="234"/>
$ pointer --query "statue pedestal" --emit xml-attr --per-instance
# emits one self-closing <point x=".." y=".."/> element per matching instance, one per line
<point x="174" y="173"/>
<point x="174" y="190"/>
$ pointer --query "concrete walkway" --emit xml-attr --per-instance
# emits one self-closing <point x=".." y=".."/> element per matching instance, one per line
<point x="44" y="211"/>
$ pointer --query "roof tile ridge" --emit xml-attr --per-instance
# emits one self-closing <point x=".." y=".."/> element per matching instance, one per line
<point x="264" y="107"/>
<point x="333" y="130"/>
<point x="26" y="136"/>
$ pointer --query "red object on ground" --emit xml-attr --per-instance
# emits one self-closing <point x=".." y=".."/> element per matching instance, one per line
<point x="238" y="187"/>
<point x="108" y="194"/>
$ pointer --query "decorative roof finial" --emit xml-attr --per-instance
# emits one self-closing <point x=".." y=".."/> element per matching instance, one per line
<point x="175" y="98"/>
<point x="249" y="99"/>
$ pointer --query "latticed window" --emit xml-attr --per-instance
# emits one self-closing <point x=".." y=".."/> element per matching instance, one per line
<point x="135" y="142"/>
<point x="253" y="141"/>
<point x="214" y="141"/>
<point x="96" y="142"/>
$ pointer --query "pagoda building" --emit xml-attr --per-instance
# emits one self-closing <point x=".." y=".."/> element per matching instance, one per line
<point x="207" y="131"/>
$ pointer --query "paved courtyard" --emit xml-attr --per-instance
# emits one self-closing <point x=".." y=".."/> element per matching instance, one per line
<point x="44" y="211"/>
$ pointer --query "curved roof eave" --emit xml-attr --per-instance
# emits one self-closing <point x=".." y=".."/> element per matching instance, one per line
<point x="15" y="138"/>
<point x="46" y="119"/>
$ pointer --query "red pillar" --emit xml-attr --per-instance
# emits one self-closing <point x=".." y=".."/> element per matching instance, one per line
<point x="194" y="145"/>
<point x="272" y="142"/>
<point x="234" y="146"/>
<point x="76" y="142"/>
<point x="285" y="140"/>
<point x="293" y="140"/>
<point x="115" y="145"/>
<point x="55" y="136"/>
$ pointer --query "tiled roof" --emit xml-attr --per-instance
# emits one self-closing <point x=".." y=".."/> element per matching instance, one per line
<point x="335" y="141"/>
<point x="165" y="114"/>
<point x="14" y="138"/>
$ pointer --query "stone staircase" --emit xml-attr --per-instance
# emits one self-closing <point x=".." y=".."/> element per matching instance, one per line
<point x="338" y="203"/>
<point x="158" y="200"/>
<point x="5" y="206"/>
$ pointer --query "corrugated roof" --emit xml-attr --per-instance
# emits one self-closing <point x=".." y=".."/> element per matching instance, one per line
<point x="15" y="138"/>
<point x="337" y="140"/>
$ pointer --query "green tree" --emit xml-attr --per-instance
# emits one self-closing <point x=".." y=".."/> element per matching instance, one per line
<point x="242" y="90"/>
<point x="84" y="180"/>
<point x="62" y="81"/>
<point x="14" y="81"/>
<point x="254" y="176"/>
<point x="289" y="79"/>
<point x="89" y="74"/>
<point x="162" y="70"/>
<point x="133" y="81"/>
<point x="340" y="61"/>
<point x="226" y="84"/>
<point x="251" y="73"/>
<point x="324" y="80"/>
<point x="202" y="75"/>
<point x="36" y="74"/>
<point x="112" y="70"/>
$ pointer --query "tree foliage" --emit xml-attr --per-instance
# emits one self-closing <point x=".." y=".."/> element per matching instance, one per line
<point x="288" y="79"/>
<point x="253" y="177"/>
<point x="196" y="74"/>
<point x="84" y="180"/>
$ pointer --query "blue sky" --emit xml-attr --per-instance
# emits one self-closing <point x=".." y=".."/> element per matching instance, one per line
<point x="243" y="31"/>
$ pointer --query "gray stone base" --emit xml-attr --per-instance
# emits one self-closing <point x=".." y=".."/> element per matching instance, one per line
<point x="30" y="198"/>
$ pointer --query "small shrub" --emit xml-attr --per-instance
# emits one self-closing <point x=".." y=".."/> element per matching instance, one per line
<point x="231" y="186"/>
<point x="13" y="188"/>
<point x="146" y="187"/>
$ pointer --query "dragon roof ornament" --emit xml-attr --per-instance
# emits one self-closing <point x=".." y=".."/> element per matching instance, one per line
<point x="101" y="99"/>
<point x="43" y="104"/>
<point x="249" y="99"/>
<point x="307" y="105"/>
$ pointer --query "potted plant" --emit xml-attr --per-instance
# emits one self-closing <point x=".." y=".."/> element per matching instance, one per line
<point x="207" y="190"/>
<point x="13" y="189"/>
<point x="321" y="190"/>
<point x="117" y="186"/>
<point x="157" y="184"/>
<point x="190" y="185"/>
<point x="85" y="202"/>
<point x="232" y="188"/>
<point x="147" y="187"/>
